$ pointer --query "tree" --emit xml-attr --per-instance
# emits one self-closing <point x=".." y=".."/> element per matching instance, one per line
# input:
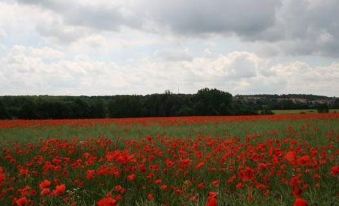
<point x="28" y="109"/>
<point x="97" y="109"/>
<point x="3" y="111"/>
<point x="322" y="108"/>
<point x="212" y="102"/>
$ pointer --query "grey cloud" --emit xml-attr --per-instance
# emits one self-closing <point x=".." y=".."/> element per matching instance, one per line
<point x="288" y="27"/>
<point x="302" y="27"/>
<point x="101" y="17"/>
<point x="60" y="32"/>
<point x="219" y="16"/>
<point x="307" y="27"/>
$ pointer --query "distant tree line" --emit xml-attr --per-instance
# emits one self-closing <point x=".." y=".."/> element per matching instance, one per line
<point x="204" y="102"/>
<point x="265" y="103"/>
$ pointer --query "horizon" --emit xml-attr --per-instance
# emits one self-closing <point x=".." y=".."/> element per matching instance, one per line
<point x="175" y="93"/>
<point x="104" y="48"/>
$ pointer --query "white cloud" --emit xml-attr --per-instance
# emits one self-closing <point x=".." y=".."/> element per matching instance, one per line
<point x="145" y="46"/>
<point x="44" y="70"/>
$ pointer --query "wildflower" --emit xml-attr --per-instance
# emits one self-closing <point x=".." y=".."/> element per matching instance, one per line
<point x="45" y="192"/>
<point x="107" y="201"/>
<point x="45" y="184"/>
<point x="158" y="181"/>
<point x="247" y="174"/>
<point x="2" y="175"/>
<point x="216" y="183"/>
<point x="59" y="190"/>
<point x="239" y="186"/>
<point x="163" y="187"/>
<point x="150" y="197"/>
<point x="118" y="188"/>
<point x="185" y="163"/>
<point x="200" y="165"/>
<point x="24" y="171"/>
<point x="22" y="201"/>
<point x="334" y="171"/>
<point x="212" y="199"/>
<point x="300" y="202"/>
<point x="131" y="177"/>
<point x="27" y="191"/>
<point x="90" y="174"/>
<point x="304" y="160"/>
<point x="169" y="163"/>
<point x="201" y="186"/>
<point x="291" y="156"/>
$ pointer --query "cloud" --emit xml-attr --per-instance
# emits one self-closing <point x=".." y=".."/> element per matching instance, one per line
<point x="242" y="17"/>
<point x="145" y="46"/>
<point x="28" y="70"/>
<point x="101" y="15"/>
<point x="45" y="71"/>
<point x="304" y="27"/>
<point x="173" y="55"/>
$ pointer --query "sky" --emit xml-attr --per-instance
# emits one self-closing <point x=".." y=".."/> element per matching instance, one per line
<point x="105" y="47"/>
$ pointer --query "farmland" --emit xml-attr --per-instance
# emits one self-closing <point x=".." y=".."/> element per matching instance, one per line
<point x="301" y="111"/>
<point x="280" y="160"/>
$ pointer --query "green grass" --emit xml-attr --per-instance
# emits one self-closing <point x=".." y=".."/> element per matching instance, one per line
<point x="238" y="129"/>
<point x="301" y="111"/>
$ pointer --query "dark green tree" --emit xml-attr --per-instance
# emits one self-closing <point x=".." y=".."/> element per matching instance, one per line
<point x="212" y="102"/>
<point x="322" y="108"/>
<point x="3" y="111"/>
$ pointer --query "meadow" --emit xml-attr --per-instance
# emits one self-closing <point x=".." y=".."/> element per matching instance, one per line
<point x="301" y="111"/>
<point x="283" y="160"/>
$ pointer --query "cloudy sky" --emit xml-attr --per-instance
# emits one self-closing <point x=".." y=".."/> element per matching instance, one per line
<point x="103" y="47"/>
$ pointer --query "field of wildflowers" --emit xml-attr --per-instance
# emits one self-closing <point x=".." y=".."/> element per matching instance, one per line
<point x="284" y="160"/>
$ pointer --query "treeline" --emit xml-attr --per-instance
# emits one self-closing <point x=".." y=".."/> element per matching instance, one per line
<point x="289" y="101"/>
<point x="204" y="102"/>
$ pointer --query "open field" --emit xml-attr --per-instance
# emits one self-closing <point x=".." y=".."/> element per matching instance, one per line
<point x="301" y="111"/>
<point x="240" y="160"/>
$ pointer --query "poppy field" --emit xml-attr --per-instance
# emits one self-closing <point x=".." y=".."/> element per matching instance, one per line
<point x="283" y="160"/>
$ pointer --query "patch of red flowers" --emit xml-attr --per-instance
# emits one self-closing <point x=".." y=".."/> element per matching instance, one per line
<point x="167" y="121"/>
<point x="164" y="170"/>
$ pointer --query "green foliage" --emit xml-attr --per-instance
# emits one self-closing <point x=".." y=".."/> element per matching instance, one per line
<point x="205" y="102"/>
<point x="212" y="102"/>
<point x="323" y="108"/>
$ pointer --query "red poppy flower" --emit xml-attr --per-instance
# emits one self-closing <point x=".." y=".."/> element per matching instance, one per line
<point x="22" y="201"/>
<point x="45" y="184"/>
<point x="304" y="160"/>
<point x="107" y="201"/>
<point x="212" y="199"/>
<point x="163" y="187"/>
<point x="150" y="197"/>
<point x="300" y="202"/>
<point x="131" y="177"/>
<point x="59" y="190"/>
<point x="90" y="174"/>
<point x="200" y="165"/>
<point x="334" y="171"/>
<point x="291" y="156"/>
<point x="45" y="192"/>
<point x="2" y="175"/>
